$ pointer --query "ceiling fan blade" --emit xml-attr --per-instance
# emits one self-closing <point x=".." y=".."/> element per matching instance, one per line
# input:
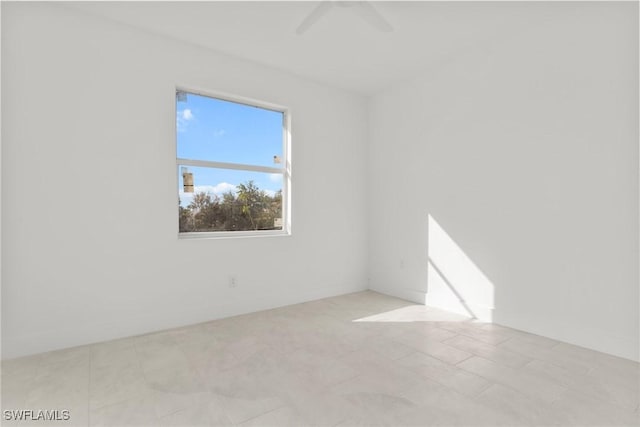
<point x="313" y="17"/>
<point x="372" y="16"/>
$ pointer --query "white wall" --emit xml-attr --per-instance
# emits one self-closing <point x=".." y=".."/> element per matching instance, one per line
<point x="89" y="220"/>
<point x="514" y="168"/>
<point x="524" y="153"/>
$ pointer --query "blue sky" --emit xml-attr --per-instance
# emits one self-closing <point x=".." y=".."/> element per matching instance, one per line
<point x="217" y="130"/>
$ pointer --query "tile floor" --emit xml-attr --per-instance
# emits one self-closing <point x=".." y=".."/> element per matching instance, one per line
<point x="358" y="359"/>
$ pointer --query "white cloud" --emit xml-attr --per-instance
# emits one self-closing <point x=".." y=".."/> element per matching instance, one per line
<point x="223" y="187"/>
<point x="275" y="177"/>
<point x="217" y="190"/>
<point x="183" y="117"/>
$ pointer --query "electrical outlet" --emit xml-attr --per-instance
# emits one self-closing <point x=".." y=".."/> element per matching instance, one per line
<point x="233" y="281"/>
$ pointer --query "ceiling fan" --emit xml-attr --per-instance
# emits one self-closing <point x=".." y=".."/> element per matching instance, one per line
<point x="363" y="8"/>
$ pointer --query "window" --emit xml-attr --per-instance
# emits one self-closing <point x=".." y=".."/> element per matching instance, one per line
<point x="233" y="166"/>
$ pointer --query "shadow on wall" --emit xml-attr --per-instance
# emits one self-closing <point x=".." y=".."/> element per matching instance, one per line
<point x="454" y="281"/>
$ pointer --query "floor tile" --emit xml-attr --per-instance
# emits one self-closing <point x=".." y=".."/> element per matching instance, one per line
<point x="445" y="374"/>
<point x="283" y="416"/>
<point x="112" y="384"/>
<point x="535" y="351"/>
<point x="530" y="385"/>
<point x="579" y="409"/>
<point x="196" y="416"/>
<point x="519" y="408"/>
<point x="476" y="331"/>
<point x="241" y="409"/>
<point x="497" y="354"/>
<point x="374" y="408"/>
<point x="439" y="405"/>
<point x="604" y="388"/>
<point x="14" y="391"/>
<point x="118" y="352"/>
<point x="441" y="351"/>
<point x="358" y="359"/>
<point x="21" y="368"/>
<point x="134" y="412"/>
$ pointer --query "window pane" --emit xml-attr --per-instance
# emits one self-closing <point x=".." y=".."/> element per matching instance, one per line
<point x="229" y="200"/>
<point x="223" y="131"/>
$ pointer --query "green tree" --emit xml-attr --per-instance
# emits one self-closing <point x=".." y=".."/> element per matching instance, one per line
<point x="186" y="220"/>
<point x="251" y="200"/>
<point x="249" y="208"/>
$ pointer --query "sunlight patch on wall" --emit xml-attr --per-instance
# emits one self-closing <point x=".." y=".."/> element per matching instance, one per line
<point x="455" y="283"/>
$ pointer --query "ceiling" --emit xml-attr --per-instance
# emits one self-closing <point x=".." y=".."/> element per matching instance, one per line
<point x="341" y="49"/>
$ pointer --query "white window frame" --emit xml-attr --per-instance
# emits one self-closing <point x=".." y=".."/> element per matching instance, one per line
<point x="285" y="169"/>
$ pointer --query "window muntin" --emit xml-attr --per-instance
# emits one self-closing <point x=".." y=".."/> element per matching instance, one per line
<point x="232" y="165"/>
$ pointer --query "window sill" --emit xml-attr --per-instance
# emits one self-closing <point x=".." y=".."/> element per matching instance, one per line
<point x="232" y="234"/>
